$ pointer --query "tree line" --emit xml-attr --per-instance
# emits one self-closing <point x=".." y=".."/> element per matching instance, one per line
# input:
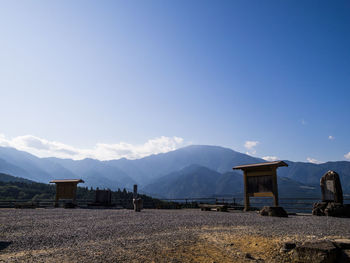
<point x="40" y="191"/>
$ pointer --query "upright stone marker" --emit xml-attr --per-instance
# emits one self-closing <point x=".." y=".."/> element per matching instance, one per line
<point x="332" y="197"/>
<point x="136" y="200"/>
<point x="331" y="188"/>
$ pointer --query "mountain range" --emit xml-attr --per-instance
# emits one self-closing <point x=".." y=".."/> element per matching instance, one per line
<point x="192" y="171"/>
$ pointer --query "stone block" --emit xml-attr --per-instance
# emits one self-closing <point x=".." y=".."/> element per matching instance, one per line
<point x="331" y="209"/>
<point x="273" y="211"/>
<point x="323" y="251"/>
<point x="318" y="208"/>
<point x="337" y="210"/>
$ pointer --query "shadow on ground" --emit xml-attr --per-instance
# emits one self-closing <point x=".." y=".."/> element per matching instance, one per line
<point x="4" y="244"/>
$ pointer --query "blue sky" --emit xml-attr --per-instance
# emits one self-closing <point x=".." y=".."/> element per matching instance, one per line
<point x="271" y="78"/>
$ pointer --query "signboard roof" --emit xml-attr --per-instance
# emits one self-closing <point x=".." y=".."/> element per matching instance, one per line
<point x="260" y="165"/>
<point x="67" y="181"/>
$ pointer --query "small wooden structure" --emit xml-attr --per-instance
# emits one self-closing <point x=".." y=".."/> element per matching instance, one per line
<point x="103" y="197"/>
<point x="260" y="180"/>
<point x="66" y="189"/>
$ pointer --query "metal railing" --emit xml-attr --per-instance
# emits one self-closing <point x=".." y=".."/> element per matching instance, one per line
<point x="301" y="205"/>
<point x="83" y="203"/>
<point x="298" y="204"/>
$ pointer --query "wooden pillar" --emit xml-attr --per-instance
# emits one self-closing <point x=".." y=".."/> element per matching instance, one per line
<point x="135" y="191"/>
<point x="74" y="193"/>
<point x="275" y="187"/>
<point x="56" y="198"/>
<point x="246" y="195"/>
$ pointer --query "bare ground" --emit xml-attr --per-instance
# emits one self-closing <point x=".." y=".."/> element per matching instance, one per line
<point x="84" y="235"/>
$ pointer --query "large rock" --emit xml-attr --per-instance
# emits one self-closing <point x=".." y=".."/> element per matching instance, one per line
<point x="318" y="208"/>
<point x="337" y="210"/>
<point x="331" y="209"/>
<point x="322" y="251"/>
<point x="273" y="211"/>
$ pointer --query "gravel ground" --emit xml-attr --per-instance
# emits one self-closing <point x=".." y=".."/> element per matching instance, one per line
<point x="88" y="235"/>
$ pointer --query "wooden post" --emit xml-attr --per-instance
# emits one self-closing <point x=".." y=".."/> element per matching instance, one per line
<point x="246" y="195"/>
<point x="74" y="186"/>
<point x="137" y="201"/>
<point x="56" y="199"/>
<point x="275" y="188"/>
<point x="135" y="191"/>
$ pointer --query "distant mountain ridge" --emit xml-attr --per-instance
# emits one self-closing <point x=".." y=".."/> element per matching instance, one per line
<point x="216" y="158"/>
<point x="309" y="173"/>
<point x="197" y="181"/>
<point x="213" y="167"/>
<point x="9" y="178"/>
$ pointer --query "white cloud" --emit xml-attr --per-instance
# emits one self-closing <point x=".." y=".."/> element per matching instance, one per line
<point x="330" y="137"/>
<point x="270" y="158"/>
<point x="250" y="145"/>
<point x="347" y="156"/>
<point x="312" y="160"/>
<point x="102" y="151"/>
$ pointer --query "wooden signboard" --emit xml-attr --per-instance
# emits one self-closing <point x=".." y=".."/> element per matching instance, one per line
<point x="66" y="189"/>
<point x="260" y="180"/>
<point x="260" y="184"/>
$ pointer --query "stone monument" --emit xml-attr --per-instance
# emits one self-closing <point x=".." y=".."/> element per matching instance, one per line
<point x="332" y="197"/>
<point x="138" y="203"/>
<point x="331" y="188"/>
